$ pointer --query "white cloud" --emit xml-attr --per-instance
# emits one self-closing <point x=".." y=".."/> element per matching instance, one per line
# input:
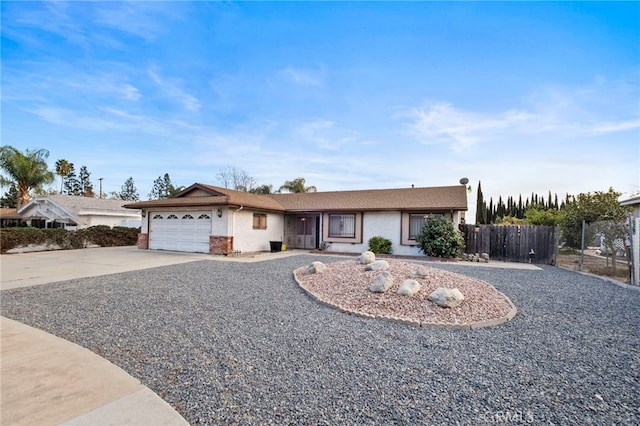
<point x="304" y="76"/>
<point x="324" y="134"/>
<point x="551" y="113"/>
<point x="441" y="123"/>
<point x="171" y="88"/>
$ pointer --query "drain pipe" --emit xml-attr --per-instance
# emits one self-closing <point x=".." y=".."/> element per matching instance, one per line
<point x="233" y="220"/>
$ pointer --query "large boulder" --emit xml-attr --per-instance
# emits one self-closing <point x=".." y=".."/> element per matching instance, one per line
<point x="409" y="288"/>
<point x="382" y="283"/>
<point x="378" y="265"/>
<point x="367" y="257"/>
<point x="446" y="297"/>
<point x="316" y="268"/>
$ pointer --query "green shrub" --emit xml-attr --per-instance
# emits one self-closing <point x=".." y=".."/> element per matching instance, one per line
<point x="380" y="245"/>
<point x="101" y="235"/>
<point x="439" y="238"/>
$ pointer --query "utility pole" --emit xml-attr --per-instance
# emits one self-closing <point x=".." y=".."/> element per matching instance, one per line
<point x="100" y="187"/>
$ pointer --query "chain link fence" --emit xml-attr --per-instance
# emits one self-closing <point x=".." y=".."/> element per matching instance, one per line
<point x="606" y="249"/>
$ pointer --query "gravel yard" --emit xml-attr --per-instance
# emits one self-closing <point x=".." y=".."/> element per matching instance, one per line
<point x="241" y="343"/>
<point x="346" y="284"/>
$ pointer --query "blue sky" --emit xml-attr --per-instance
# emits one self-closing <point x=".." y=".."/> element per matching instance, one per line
<point x="526" y="97"/>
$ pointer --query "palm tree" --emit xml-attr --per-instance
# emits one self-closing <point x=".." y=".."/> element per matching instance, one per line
<point x="296" y="185"/>
<point x="26" y="170"/>
<point x="63" y="168"/>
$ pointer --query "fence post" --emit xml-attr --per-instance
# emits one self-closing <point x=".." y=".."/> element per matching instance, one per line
<point x="634" y="254"/>
<point x="582" y="247"/>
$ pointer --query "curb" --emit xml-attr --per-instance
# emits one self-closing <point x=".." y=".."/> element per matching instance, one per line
<point x="463" y="326"/>
<point x="606" y="279"/>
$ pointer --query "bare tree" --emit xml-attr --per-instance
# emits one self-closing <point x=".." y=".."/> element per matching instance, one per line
<point x="235" y="178"/>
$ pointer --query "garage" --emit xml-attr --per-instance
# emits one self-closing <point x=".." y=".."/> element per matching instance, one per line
<point x="180" y="231"/>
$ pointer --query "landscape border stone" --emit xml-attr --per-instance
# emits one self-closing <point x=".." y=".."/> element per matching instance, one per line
<point x="447" y="326"/>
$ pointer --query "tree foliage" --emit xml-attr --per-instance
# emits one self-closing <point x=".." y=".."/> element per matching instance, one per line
<point x="63" y="168"/>
<point x="72" y="183"/>
<point x="10" y="198"/>
<point x="28" y="170"/>
<point x="262" y="189"/>
<point x="439" y="238"/>
<point x="86" y="187"/>
<point x="163" y="188"/>
<point x="591" y="207"/>
<point x="296" y="185"/>
<point x="128" y="191"/>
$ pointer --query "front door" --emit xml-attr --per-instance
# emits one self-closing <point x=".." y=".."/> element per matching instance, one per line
<point x="306" y="232"/>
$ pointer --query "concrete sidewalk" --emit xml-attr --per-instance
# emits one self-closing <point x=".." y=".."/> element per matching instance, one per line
<point x="47" y="380"/>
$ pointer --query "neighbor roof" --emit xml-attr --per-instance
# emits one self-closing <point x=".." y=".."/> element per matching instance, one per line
<point x="76" y="204"/>
<point x="417" y="199"/>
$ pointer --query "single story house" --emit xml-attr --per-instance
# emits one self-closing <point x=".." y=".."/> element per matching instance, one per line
<point x="634" y="202"/>
<point x="9" y="218"/>
<point x="73" y="212"/>
<point x="210" y="219"/>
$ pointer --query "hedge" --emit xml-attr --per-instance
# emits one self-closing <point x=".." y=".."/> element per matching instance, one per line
<point x="101" y="235"/>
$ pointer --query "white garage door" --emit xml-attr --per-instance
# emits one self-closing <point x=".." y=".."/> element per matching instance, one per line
<point x="180" y="231"/>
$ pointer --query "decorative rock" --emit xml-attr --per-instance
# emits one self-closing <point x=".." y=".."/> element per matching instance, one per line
<point x="485" y="257"/>
<point x="367" y="257"/>
<point x="420" y="273"/>
<point x="316" y="268"/>
<point x="409" y="288"/>
<point x="378" y="265"/>
<point x="382" y="283"/>
<point x="446" y="297"/>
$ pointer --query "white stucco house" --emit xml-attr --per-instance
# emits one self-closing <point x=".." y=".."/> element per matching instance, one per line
<point x="73" y="212"/>
<point x="210" y="219"/>
<point x="634" y="203"/>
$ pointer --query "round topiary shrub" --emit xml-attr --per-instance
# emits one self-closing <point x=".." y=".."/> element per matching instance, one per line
<point x="439" y="238"/>
<point x="380" y="245"/>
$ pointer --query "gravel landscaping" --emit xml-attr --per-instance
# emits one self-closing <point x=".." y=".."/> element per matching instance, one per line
<point x="241" y="343"/>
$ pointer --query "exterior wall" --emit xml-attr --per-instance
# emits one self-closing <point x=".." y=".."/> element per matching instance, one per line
<point x="388" y="225"/>
<point x="247" y="239"/>
<point x="383" y="224"/>
<point x="93" y="220"/>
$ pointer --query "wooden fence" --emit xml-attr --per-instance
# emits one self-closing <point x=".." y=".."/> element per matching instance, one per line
<point x="513" y="243"/>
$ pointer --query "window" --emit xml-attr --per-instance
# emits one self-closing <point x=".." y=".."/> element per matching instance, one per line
<point x="416" y="222"/>
<point x="172" y="216"/>
<point x="259" y="221"/>
<point x="187" y="216"/>
<point x="158" y="216"/>
<point x="204" y="216"/>
<point x="342" y="225"/>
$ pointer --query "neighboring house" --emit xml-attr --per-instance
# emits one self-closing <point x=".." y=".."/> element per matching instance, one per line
<point x="9" y="218"/>
<point x="633" y="202"/>
<point x="72" y="212"/>
<point x="210" y="219"/>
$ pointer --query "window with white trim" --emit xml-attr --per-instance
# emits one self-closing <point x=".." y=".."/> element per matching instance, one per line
<point x="342" y="225"/>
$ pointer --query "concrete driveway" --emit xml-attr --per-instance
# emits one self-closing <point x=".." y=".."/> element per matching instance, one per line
<point x="27" y="269"/>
